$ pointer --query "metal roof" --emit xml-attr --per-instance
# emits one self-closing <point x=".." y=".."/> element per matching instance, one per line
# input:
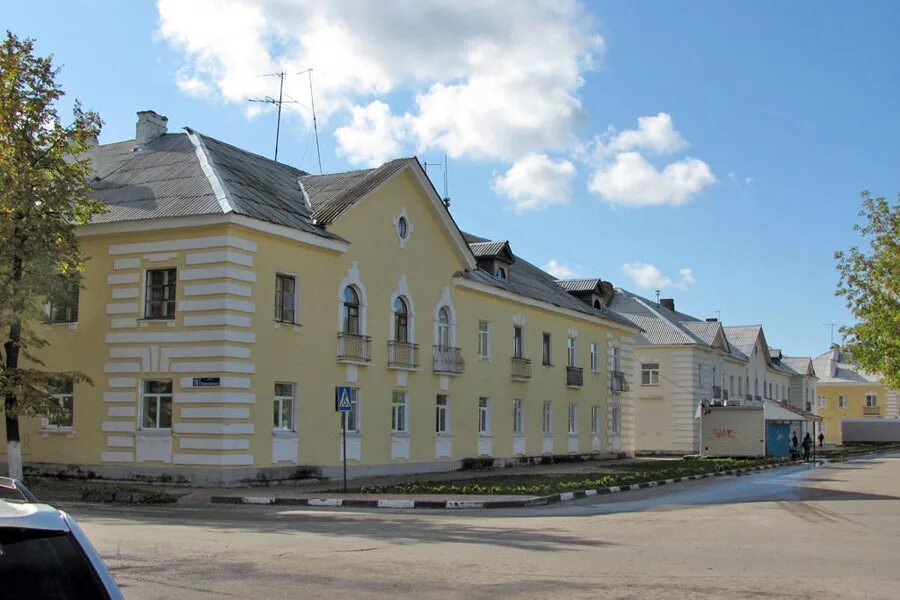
<point x="525" y="279"/>
<point x="166" y="178"/>
<point x="492" y="248"/>
<point x="660" y="325"/>
<point x="802" y="365"/>
<point x="579" y="285"/>
<point x="743" y="336"/>
<point x="836" y="366"/>
<point x="331" y="195"/>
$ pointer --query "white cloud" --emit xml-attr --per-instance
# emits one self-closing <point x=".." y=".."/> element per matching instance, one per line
<point x="561" y="271"/>
<point x="656" y="134"/>
<point x="482" y="86"/>
<point x="372" y="136"/>
<point x="649" y="277"/>
<point x="536" y="181"/>
<point x="631" y="180"/>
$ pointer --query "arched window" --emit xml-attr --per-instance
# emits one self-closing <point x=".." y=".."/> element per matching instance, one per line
<point x="443" y="327"/>
<point x="597" y="304"/>
<point x="351" y="310"/>
<point x="401" y="320"/>
<point x="501" y="273"/>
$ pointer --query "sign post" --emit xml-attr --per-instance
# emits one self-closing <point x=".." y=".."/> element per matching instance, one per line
<point x="343" y="404"/>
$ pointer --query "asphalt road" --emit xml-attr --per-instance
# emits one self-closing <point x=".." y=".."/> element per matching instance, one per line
<point x="817" y="533"/>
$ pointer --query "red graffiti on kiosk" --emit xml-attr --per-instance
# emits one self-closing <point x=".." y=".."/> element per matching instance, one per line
<point x="724" y="433"/>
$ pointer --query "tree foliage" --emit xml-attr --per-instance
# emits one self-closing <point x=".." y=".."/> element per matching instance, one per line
<point x="44" y="195"/>
<point x="870" y="282"/>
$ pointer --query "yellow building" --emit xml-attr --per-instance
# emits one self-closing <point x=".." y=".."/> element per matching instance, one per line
<point x="846" y="392"/>
<point x="227" y="296"/>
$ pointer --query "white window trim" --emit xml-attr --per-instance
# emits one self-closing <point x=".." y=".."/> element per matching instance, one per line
<point x="650" y="381"/>
<point x="447" y="426"/>
<point x="547" y="418"/>
<point x="280" y="400"/>
<point x="353" y="279"/>
<point x="518" y="417"/>
<point x="409" y="226"/>
<point x="394" y="407"/>
<point x="47" y="426"/>
<point x="142" y="307"/>
<point x="595" y="357"/>
<point x="402" y="291"/>
<point x="596" y="419"/>
<point x="572" y="418"/>
<point x="158" y="398"/>
<point x="487" y="339"/>
<point x="445" y="301"/>
<point x="486" y="410"/>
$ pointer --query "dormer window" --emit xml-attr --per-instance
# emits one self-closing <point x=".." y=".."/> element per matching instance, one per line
<point x="501" y="273"/>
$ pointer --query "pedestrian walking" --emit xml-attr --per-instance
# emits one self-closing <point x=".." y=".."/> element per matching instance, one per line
<point x="795" y="442"/>
<point x="821" y="439"/>
<point x="807" y="444"/>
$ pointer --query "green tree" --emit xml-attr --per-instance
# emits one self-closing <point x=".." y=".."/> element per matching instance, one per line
<point x="870" y="282"/>
<point x="44" y="195"/>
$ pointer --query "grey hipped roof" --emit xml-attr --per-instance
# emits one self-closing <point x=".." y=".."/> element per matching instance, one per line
<point x="166" y="178"/>
<point x="525" y="279"/>
<point x="743" y="336"/>
<point x="332" y="194"/>
<point x="802" y="365"/>
<point x="836" y="366"/>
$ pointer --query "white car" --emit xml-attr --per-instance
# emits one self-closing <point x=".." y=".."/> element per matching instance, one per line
<point x="44" y="554"/>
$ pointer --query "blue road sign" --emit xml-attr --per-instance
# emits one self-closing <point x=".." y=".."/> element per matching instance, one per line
<point x="342" y="396"/>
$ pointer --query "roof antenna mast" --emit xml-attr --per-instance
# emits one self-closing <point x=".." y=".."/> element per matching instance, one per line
<point x="446" y="167"/>
<point x="312" y="103"/>
<point x="278" y="103"/>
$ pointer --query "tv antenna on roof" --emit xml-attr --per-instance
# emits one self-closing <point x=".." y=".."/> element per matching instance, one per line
<point x="445" y="167"/>
<point x="832" y="326"/>
<point x="278" y="103"/>
<point x="312" y="103"/>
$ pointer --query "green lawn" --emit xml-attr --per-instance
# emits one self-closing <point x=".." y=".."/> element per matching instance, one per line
<point x="545" y="484"/>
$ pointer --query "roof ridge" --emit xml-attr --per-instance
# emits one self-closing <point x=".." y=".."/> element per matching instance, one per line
<point x="688" y="334"/>
<point x="207" y="165"/>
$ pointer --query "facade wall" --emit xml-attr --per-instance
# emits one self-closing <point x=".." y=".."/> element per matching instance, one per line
<point x="224" y="329"/>
<point x="828" y="406"/>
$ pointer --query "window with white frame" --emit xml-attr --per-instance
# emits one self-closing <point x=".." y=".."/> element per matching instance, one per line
<point x="62" y="392"/>
<point x="398" y="412"/>
<point x="351" y="319"/>
<point x="731" y="384"/>
<point x="616" y="420"/>
<point x="518" y="342"/>
<point x="64" y="308"/>
<point x="156" y="404"/>
<point x="351" y="417"/>
<point x="401" y="320"/>
<point x="444" y="327"/>
<point x="595" y="358"/>
<point x="570" y="348"/>
<point x="518" y="417"/>
<point x="595" y="419"/>
<point x="484" y="339"/>
<point x="285" y="298"/>
<point x="159" y="295"/>
<point x="573" y="418"/>
<point x="740" y="386"/>
<point x="442" y="414"/>
<point x="842" y="401"/>
<point x="547" y="419"/>
<point x="871" y="400"/>
<point x="650" y="374"/>
<point x="484" y="415"/>
<point x="546" y="349"/>
<point x="616" y="360"/>
<point x="284" y="407"/>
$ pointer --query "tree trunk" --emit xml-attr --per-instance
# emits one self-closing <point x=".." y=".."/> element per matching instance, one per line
<point x="12" y="348"/>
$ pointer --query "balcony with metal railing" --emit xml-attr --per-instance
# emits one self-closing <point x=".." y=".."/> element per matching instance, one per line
<point x="574" y="377"/>
<point x="871" y="411"/>
<point x="617" y="381"/>
<point x="448" y="360"/>
<point x="520" y="368"/>
<point x="353" y="348"/>
<point x="403" y="355"/>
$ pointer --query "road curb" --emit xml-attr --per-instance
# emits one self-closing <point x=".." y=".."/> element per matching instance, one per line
<point x="397" y="503"/>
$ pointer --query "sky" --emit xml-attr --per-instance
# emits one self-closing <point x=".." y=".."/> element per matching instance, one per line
<point x="714" y="151"/>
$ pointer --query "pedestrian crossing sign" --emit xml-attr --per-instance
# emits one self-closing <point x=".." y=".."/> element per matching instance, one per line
<point x="342" y="398"/>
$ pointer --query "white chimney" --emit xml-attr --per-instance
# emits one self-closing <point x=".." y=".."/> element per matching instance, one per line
<point x="149" y="127"/>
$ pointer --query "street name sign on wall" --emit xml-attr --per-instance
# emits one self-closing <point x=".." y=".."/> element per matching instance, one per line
<point x="207" y="381"/>
<point x="342" y="398"/>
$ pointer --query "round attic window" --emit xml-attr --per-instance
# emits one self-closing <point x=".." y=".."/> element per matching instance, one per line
<point x="403" y="228"/>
